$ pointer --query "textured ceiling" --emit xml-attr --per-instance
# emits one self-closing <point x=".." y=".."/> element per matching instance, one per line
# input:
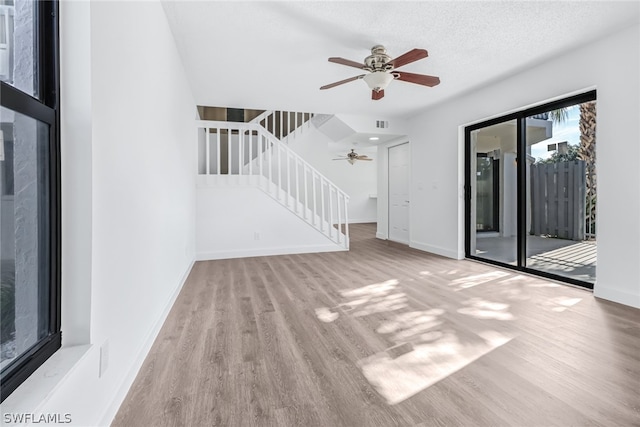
<point x="273" y="55"/>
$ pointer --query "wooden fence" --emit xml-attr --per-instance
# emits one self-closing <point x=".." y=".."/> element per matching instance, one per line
<point x="558" y="199"/>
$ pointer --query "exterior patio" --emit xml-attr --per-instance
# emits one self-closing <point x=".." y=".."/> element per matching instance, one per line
<point x="569" y="258"/>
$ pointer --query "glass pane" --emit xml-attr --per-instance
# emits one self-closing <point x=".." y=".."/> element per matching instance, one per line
<point x="17" y="47"/>
<point x="493" y="192"/>
<point x="561" y="200"/>
<point x="486" y="215"/>
<point x="24" y="227"/>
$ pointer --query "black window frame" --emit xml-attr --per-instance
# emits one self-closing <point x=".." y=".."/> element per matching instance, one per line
<point x="521" y="184"/>
<point x="44" y="108"/>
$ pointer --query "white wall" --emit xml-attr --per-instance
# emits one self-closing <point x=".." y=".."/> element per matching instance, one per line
<point x="243" y="221"/>
<point x="359" y="181"/>
<point x="611" y="66"/>
<point x="367" y="124"/>
<point x="128" y="207"/>
<point x="143" y="179"/>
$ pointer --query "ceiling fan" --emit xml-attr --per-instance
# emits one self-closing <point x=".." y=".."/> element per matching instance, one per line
<point x="353" y="156"/>
<point x="382" y="69"/>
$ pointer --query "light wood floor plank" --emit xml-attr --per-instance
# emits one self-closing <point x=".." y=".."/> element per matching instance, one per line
<point x="385" y="335"/>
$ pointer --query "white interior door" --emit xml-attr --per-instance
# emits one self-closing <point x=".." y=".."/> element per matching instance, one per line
<point x="399" y="193"/>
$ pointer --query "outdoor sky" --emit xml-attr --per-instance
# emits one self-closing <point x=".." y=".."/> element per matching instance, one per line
<point x="566" y="131"/>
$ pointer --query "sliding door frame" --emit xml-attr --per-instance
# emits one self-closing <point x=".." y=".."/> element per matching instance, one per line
<point x="521" y="183"/>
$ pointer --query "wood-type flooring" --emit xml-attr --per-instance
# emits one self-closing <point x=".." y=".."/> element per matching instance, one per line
<point x="385" y="335"/>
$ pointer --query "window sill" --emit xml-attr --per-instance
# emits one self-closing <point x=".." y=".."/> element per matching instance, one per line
<point x="40" y="386"/>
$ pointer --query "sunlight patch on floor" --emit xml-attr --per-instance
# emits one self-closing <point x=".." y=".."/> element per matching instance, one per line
<point x="326" y="315"/>
<point x="560" y="304"/>
<point x="544" y="285"/>
<point x="376" y="298"/>
<point x="477" y="279"/>
<point x="513" y="278"/>
<point x="483" y="309"/>
<point x="425" y="345"/>
<point x="371" y="290"/>
<point x="412" y="325"/>
<point x="424" y="348"/>
<point x="398" y="375"/>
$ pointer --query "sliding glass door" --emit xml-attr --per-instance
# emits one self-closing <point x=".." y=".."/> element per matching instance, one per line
<point x="531" y="190"/>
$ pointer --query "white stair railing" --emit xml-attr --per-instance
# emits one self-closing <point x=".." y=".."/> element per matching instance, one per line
<point x="283" y="124"/>
<point x="228" y="149"/>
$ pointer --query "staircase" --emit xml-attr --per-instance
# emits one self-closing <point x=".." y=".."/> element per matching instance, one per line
<point x="284" y="124"/>
<point x="231" y="153"/>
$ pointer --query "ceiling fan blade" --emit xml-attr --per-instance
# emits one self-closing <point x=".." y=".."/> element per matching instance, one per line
<point x="409" y="57"/>
<point x="329" y="86"/>
<point x="346" y="62"/>
<point x="420" y="79"/>
<point x="365" y="158"/>
<point x="375" y="95"/>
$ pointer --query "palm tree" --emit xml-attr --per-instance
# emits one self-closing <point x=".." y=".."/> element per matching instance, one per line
<point x="587" y="153"/>
<point x="560" y="115"/>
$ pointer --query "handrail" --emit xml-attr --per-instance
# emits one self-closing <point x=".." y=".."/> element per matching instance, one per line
<point x="303" y="161"/>
<point x="213" y="124"/>
<point x="281" y="114"/>
<point x="237" y="149"/>
<point x="259" y="117"/>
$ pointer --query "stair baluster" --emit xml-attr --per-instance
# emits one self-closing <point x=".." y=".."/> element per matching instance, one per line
<point x="310" y="196"/>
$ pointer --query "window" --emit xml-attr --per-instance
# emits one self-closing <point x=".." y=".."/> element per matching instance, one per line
<point x="29" y="190"/>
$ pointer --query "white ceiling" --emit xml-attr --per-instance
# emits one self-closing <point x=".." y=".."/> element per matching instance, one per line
<point x="361" y="143"/>
<point x="273" y="55"/>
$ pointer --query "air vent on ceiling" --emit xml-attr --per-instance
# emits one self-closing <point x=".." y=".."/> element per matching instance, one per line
<point x="382" y="124"/>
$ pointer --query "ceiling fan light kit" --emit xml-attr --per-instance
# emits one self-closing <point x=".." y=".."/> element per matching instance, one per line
<point x="378" y="80"/>
<point x="380" y="68"/>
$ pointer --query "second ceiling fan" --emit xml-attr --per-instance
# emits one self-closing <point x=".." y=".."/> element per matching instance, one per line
<point x="353" y="156"/>
<point x="382" y="69"/>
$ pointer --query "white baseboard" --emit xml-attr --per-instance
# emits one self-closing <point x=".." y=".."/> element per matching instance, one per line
<point x="363" y="221"/>
<point x="434" y="249"/>
<point x="117" y="400"/>
<point x="615" y="295"/>
<point x="245" y="253"/>
<point x="381" y="236"/>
